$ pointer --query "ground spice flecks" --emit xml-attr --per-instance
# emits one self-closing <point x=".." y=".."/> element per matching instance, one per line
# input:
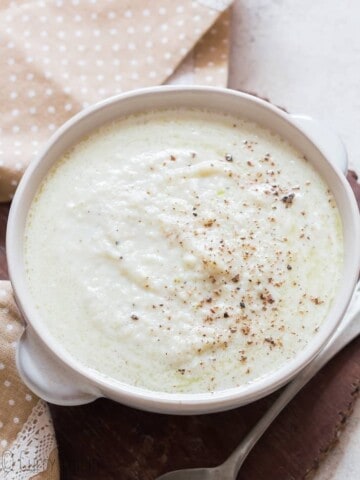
<point x="203" y="242"/>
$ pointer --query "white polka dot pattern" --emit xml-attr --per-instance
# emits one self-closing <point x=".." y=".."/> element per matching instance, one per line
<point x="59" y="56"/>
<point x="18" y="406"/>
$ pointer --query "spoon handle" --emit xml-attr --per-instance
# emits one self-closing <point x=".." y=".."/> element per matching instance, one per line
<point x="347" y="331"/>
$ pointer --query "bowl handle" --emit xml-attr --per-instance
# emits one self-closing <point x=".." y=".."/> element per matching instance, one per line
<point x="47" y="377"/>
<point x="327" y="139"/>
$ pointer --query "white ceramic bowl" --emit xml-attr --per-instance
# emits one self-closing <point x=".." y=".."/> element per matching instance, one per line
<point x="44" y="364"/>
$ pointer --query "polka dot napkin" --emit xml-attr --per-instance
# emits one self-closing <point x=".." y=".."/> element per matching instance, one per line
<point x="27" y="440"/>
<point x="56" y="58"/>
<point x="59" y="56"/>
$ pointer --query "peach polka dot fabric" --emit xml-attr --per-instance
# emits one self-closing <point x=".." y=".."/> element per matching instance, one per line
<point x="56" y="58"/>
<point x="59" y="56"/>
<point x="27" y="439"/>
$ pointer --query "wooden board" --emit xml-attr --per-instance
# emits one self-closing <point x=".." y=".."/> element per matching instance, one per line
<point x="107" y="441"/>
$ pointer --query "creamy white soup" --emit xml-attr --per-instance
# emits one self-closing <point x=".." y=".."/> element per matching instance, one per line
<point x="183" y="251"/>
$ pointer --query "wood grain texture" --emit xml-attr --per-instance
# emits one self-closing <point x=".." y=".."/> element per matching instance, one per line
<point x="4" y="211"/>
<point x="112" y="442"/>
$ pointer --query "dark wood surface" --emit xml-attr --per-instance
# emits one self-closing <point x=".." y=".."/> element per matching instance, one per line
<point x="107" y="441"/>
<point x="4" y="210"/>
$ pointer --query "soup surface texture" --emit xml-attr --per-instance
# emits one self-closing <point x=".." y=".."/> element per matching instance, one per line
<point x="183" y="251"/>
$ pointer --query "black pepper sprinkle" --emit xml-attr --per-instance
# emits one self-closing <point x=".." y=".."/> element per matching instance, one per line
<point x="289" y="267"/>
<point x="270" y="341"/>
<point x="242" y="304"/>
<point x="226" y="315"/>
<point x="134" y="317"/>
<point x="228" y="157"/>
<point x="288" y="199"/>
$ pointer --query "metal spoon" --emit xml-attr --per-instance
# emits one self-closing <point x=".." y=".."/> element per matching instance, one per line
<point x="347" y="331"/>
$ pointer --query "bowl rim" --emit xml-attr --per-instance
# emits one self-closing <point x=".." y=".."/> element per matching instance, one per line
<point x="149" y="399"/>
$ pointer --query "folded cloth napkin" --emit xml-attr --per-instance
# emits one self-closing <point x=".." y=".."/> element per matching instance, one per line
<point x="57" y="57"/>
<point x="27" y="440"/>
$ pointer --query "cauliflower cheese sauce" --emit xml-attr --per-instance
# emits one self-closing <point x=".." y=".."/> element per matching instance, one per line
<point x="183" y="251"/>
